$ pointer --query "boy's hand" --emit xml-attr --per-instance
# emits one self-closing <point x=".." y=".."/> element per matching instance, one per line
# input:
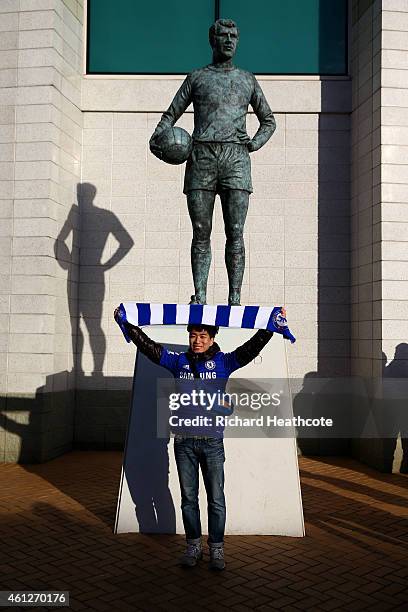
<point x="122" y="322"/>
<point x="116" y="315"/>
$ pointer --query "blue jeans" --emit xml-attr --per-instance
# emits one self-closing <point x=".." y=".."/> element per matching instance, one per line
<point x="208" y="453"/>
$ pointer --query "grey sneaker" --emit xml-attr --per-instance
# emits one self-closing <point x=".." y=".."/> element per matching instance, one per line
<point x="217" y="558"/>
<point x="192" y="554"/>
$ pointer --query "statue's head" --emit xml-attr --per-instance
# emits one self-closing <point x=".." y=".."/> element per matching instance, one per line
<point x="224" y="36"/>
<point x="86" y="192"/>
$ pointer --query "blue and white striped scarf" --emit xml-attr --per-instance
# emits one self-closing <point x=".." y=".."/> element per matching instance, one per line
<point x="246" y="317"/>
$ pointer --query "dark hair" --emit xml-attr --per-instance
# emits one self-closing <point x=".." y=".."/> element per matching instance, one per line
<point x="211" y="329"/>
<point x="226" y="23"/>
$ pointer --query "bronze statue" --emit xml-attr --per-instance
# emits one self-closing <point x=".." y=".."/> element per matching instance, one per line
<point x="219" y="161"/>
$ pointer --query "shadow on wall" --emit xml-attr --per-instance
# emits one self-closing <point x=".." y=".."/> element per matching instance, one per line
<point x="375" y="399"/>
<point x="96" y="225"/>
<point x="333" y="273"/>
<point x="334" y="277"/>
<point x="40" y="428"/>
<point x="372" y="411"/>
<point x="73" y="409"/>
<point x="393" y="409"/>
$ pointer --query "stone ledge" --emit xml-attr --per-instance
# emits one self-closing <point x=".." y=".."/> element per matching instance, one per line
<point x="153" y="95"/>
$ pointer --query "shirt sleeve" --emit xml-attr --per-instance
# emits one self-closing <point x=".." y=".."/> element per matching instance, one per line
<point x="180" y="103"/>
<point x="231" y="363"/>
<point x="245" y="353"/>
<point x="146" y="345"/>
<point x="264" y="115"/>
<point x="169" y="360"/>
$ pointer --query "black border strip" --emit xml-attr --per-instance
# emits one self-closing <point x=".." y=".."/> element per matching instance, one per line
<point x="260" y="74"/>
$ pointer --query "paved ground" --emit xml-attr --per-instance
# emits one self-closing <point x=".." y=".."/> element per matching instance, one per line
<point x="56" y="533"/>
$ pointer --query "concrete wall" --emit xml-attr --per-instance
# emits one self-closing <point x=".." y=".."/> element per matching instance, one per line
<point x="393" y="211"/>
<point x="296" y="232"/>
<point x="379" y="206"/>
<point x="366" y="166"/>
<point x="41" y="56"/>
<point x="8" y="80"/>
<point x="325" y="233"/>
<point x="391" y="307"/>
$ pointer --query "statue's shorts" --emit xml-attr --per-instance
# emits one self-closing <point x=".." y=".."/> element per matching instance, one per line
<point x="218" y="166"/>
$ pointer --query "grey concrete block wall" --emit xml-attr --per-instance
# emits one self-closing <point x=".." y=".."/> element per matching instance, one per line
<point x="8" y="78"/>
<point x="89" y="217"/>
<point x="40" y="59"/>
<point x="379" y="204"/>
<point x="366" y="164"/>
<point x="393" y="211"/>
<point x="379" y="200"/>
<point x="379" y="181"/>
<point x="66" y="299"/>
<point x="392" y="265"/>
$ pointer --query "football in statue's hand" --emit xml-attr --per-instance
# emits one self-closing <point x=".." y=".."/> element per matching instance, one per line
<point x="175" y="145"/>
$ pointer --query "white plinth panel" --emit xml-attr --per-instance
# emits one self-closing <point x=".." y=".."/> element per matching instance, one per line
<point x="262" y="485"/>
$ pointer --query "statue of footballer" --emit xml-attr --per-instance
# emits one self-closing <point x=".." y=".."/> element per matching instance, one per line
<point x="218" y="157"/>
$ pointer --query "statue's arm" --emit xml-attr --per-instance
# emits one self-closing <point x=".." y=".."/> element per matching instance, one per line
<point x="124" y="239"/>
<point x="265" y="117"/>
<point x="180" y="102"/>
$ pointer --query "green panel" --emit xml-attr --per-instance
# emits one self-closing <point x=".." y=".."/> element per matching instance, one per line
<point x="148" y="37"/>
<point x="290" y="37"/>
<point x="171" y="37"/>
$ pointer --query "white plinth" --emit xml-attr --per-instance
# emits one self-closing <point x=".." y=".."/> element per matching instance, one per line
<point x="262" y="485"/>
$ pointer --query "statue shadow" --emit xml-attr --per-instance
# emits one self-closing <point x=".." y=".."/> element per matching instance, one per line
<point x="87" y="270"/>
<point x="72" y="410"/>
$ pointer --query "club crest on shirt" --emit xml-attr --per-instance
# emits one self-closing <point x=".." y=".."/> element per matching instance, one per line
<point x="186" y="367"/>
<point x="279" y="320"/>
<point x="210" y="365"/>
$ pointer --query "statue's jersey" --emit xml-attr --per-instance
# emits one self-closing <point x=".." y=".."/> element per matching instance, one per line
<point x="220" y="99"/>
